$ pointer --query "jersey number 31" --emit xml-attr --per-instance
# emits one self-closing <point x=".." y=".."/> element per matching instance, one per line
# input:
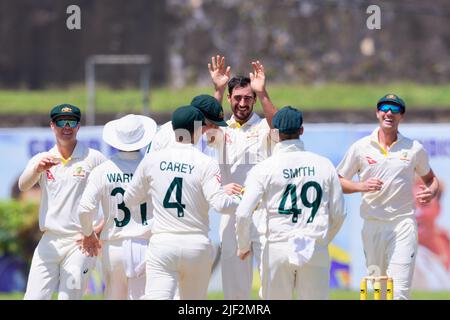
<point x="126" y="211"/>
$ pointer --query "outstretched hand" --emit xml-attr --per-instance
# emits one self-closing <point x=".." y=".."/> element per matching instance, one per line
<point x="219" y="75"/>
<point x="257" y="77"/>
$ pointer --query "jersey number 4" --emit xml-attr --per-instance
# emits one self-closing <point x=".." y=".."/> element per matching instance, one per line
<point x="177" y="185"/>
<point x="126" y="211"/>
<point x="291" y="190"/>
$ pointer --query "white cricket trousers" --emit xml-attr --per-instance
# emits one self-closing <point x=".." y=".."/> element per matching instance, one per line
<point x="237" y="274"/>
<point x="281" y="279"/>
<point x="117" y="285"/>
<point x="178" y="260"/>
<point x="390" y="249"/>
<point x="58" y="264"/>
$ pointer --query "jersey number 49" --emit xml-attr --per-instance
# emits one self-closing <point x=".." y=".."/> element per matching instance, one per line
<point x="291" y="191"/>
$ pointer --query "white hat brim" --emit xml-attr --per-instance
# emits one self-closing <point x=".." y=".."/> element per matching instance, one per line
<point x="110" y="135"/>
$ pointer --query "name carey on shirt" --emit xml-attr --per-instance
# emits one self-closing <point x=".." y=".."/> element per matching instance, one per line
<point x="176" y="166"/>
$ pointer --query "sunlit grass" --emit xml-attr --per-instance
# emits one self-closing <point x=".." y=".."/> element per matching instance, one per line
<point x="335" y="295"/>
<point x="305" y="97"/>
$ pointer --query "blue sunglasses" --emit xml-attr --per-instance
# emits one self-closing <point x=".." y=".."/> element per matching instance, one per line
<point x="63" y="123"/>
<point x="394" y="108"/>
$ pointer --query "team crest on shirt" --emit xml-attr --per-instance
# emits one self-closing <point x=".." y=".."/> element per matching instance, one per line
<point x="370" y="160"/>
<point x="404" y="156"/>
<point x="49" y="175"/>
<point x="79" y="172"/>
<point x="253" y="133"/>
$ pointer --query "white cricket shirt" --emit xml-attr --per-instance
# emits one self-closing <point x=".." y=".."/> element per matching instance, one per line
<point x="396" y="167"/>
<point x="62" y="186"/>
<point x="301" y="193"/>
<point x="183" y="184"/>
<point x="245" y="145"/>
<point x="107" y="185"/>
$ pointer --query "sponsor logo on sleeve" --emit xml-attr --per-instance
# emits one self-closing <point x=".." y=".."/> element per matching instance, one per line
<point x="49" y="175"/>
<point x="370" y="160"/>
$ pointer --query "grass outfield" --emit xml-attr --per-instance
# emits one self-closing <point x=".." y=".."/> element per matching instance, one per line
<point x="335" y="295"/>
<point x="354" y="295"/>
<point x="327" y="96"/>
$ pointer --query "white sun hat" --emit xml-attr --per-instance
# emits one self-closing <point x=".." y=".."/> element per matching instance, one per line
<point x="129" y="133"/>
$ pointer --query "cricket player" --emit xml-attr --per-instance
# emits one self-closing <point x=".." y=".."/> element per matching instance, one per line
<point x="214" y="118"/>
<point x="126" y="229"/>
<point x="301" y="193"/>
<point x="183" y="183"/>
<point x="58" y="263"/>
<point x="246" y="142"/>
<point x="386" y="163"/>
<point x="211" y="134"/>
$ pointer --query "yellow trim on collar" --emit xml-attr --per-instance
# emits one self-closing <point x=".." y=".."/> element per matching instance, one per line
<point x="383" y="150"/>
<point x="234" y="124"/>
<point x="65" y="161"/>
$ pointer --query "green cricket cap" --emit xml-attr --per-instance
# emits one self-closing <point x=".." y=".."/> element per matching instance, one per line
<point x="392" y="98"/>
<point x="185" y="117"/>
<point x="211" y="109"/>
<point x="65" y="110"/>
<point x="288" y="120"/>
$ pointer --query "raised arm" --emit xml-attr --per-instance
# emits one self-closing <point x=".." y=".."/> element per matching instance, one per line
<point x="258" y="84"/>
<point x="219" y="76"/>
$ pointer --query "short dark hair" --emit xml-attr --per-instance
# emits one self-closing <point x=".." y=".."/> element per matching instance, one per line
<point x="240" y="82"/>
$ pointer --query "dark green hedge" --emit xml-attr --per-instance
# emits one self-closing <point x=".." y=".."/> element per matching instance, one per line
<point x="19" y="228"/>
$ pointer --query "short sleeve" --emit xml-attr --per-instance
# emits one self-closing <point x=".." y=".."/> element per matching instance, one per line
<point x="422" y="166"/>
<point x="350" y="164"/>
